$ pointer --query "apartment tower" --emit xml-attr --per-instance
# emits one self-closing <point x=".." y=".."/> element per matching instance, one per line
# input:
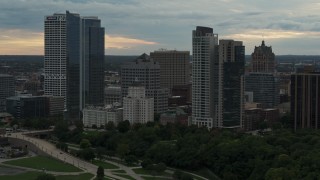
<point x="204" y="77"/>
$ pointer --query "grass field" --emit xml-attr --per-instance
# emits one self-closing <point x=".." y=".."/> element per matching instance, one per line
<point x="118" y="171"/>
<point x="154" y="178"/>
<point x="105" y="165"/>
<point x="125" y="176"/>
<point x="40" y="162"/>
<point x="24" y="176"/>
<point x="34" y="175"/>
<point x="85" y="176"/>
<point x="148" y="172"/>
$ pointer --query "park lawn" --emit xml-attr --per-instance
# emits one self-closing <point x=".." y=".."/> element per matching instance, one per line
<point x="154" y="178"/>
<point x="105" y="165"/>
<point x="25" y="176"/>
<point x="84" y="176"/>
<point x="40" y="162"/>
<point x="149" y="172"/>
<point x="118" y="171"/>
<point x="206" y="173"/>
<point x="122" y="162"/>
<point x="125" y="176"/>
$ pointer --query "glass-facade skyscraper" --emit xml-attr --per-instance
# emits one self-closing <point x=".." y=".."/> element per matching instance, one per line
<point x="73" y="63"/>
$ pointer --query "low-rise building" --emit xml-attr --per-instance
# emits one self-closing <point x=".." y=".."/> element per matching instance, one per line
<point x="174" y="115"/>
<point x="100" y="116"/>
<point x="137" y="108"/>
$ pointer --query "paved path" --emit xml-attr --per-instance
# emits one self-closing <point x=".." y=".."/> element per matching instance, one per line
<point x="51" y="150"/>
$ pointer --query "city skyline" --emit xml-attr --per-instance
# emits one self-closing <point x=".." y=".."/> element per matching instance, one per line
<point x="137" y="26"/>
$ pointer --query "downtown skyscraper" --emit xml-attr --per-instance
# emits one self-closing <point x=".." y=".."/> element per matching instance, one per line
<point x="217" y="80"/>
<point x="73" y="62"/>
<point x="204" y="77"/>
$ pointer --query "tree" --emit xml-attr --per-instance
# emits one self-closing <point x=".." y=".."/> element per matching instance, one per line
<point x="130" y="159"/>
<point x="63" y="146"/>
<point x="110" y="126"/>
<point x="145" y="163"/>
<point x="85" y="143"/>
<point x="122" y="150"/>
<point x="86" y="154"/>
<point x="100" y="151"/>
<point x="161" y="167"/>
<point x="46" y="177"/>
<point x="100" y="173"/>
<point x="124" y="126"/>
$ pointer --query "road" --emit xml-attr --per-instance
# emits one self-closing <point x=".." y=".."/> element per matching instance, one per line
<point x="51" y="150"/>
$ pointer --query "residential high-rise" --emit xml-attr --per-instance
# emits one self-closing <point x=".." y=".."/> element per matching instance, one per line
<point x="264" y="87"/>
<point x="204" y="77"/>
<point x="137" y="108"/>
<point x="73" y="62"/>
<point x="174" y="67"/>
<point x="263" y="59"/>
<point x="231" y="84"/>
<point x="146" y="71"/>
<point x="305" y="100"/>
<point x="7" y="89"/>
<point x="217" y="80"/>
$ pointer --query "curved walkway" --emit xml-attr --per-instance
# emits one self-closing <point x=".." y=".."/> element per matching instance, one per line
<point x="52" y="151"/>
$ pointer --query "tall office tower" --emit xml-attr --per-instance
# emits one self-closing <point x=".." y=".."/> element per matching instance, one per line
<point x="204" y="77"/>
<point x="231" y="84"/>
<point x="73" y="62"/>
<point x="174" y="67"/>
<point x="305" y="100"/>
<point x="147" y="72"/>
<point x="92" y="65"/>
<point x="263" y="59"/>
<point x="7" y="89"/>
<point x="265" y="88"/>
<point x="137" y="108"/>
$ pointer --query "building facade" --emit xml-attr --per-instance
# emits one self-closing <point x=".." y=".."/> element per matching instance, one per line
<point x="147" y="72"/>
<point x="305" y="100"/>
<point x="101" y="116"/>
<point x="263" y="59"/>
<point x="112" y="95"/>
<point x="26" y="107"/>
<point x="204" y="77"/>
<point x="231" y="84"/>
<point x="137" y="108"/>
<point x="73" y="61"/>
<point x="7" y="84"/>
<point x="174" y="67"/>
<point x="265" y="88"/>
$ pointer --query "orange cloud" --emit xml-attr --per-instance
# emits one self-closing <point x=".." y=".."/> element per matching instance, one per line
<point x="271" y="34"/>
<point x="119" y="42"/>
<point x="21" y="42"/>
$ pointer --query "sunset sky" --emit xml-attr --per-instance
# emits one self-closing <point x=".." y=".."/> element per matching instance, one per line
<point x="137" y="26"/>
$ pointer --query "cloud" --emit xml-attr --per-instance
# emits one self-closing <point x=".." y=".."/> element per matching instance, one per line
<point x="120" y="42"/>
<point x="23" y="42"/>
<point x="271" y="34"/>
<point x="169" y="23"/>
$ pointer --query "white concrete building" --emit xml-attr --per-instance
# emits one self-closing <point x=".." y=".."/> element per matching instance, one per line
<point x="137" y="108"/>
<point x="100" y="116"/>
<point x="204" y="85"/>
<point x="147" y="71"/>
